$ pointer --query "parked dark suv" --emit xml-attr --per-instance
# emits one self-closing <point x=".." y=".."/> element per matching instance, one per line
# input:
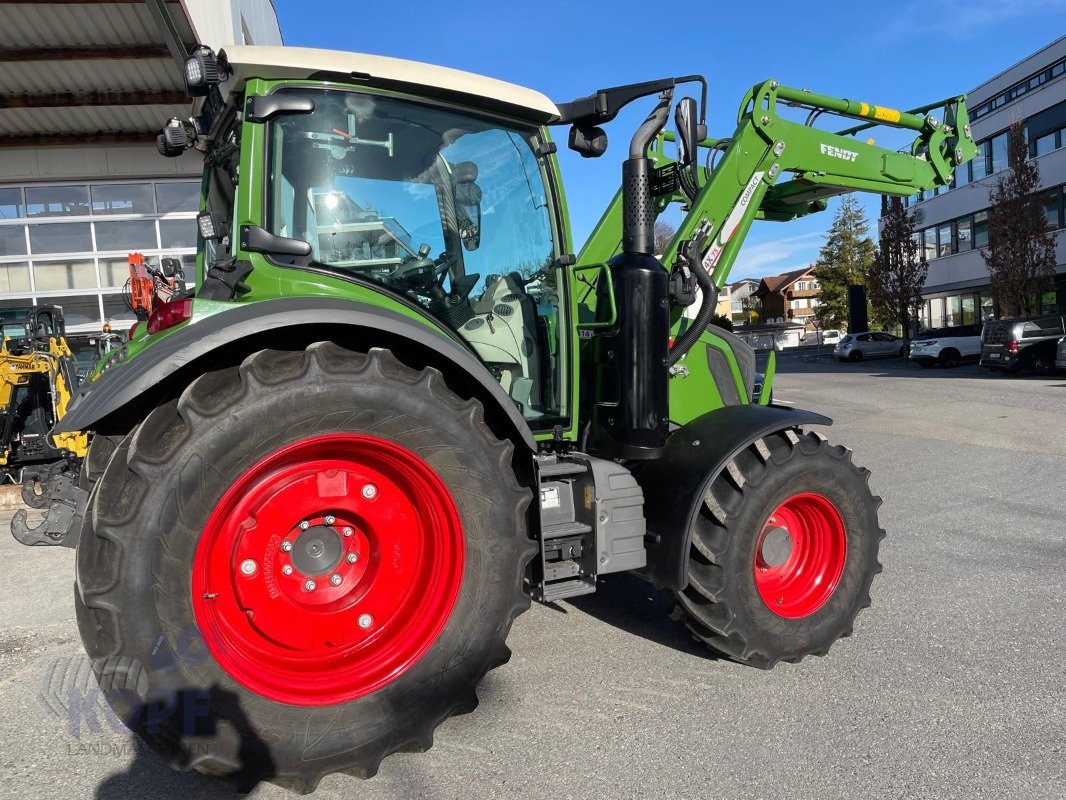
<point x="1028" y="343"/>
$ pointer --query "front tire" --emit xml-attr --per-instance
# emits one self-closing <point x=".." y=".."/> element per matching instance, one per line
<point x="255" y="611"/>
<point x="783" y="552"/>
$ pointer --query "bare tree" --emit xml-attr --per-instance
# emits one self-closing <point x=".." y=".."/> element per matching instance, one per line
<point x="898" y="273"/>
<point x="664" y="232"/>
<point x="1021" y="247"/>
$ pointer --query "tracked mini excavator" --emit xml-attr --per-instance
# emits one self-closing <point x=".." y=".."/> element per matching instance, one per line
<point x="398" y="406"/>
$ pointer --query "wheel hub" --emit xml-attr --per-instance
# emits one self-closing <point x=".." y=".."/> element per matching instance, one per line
<point x="317" y="550"/>
<point x="311" y="590"/>
<point x="776" y="546"/>
<point x="800" y="555"/>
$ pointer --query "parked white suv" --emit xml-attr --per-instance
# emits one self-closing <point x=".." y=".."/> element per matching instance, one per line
<point x="947" y="347"/>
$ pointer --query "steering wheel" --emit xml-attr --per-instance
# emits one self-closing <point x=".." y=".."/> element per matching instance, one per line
<point x="421" y="274"/>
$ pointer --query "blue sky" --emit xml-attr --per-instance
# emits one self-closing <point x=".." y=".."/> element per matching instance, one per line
<point x="900" y="54"/>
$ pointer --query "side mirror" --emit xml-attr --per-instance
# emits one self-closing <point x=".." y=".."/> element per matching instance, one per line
<point x="688" y="138"/>
<point x="589" y="142"/>
<point x="687" y="131"/>
<point x="467" y="195"/>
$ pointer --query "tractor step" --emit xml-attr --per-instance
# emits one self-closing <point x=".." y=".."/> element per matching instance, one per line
<point x="591" y="523"/>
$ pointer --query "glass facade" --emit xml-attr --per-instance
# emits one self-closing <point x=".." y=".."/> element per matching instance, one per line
<point x="67" y="244"/>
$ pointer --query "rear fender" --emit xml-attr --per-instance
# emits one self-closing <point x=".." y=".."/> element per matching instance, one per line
<point x="164" y="369"/>
<point x="674" y="485"/>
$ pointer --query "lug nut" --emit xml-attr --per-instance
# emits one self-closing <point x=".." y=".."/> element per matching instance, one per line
<point x="330" y="519"/>
<point x="248" y="566"/>
<point x="353" y="557"/>
<point x="370" y="491"/>
<point x="304" y="525"/>
<point x="287" y="569"/>
<point x="309" y="586"/>
<point x="365" y="620"/>
<point x="335" y="580"/>
<point x="286" y="546"/>
<point x="347" y="531"/>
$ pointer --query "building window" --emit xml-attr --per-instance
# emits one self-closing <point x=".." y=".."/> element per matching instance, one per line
<point x="944" y="240"/>
<point x="53" y="276"/>
<point x="128" y="235"/>
<point x="60" y="237"/>
<point x="177" y="233"/>
<point x="964" y="234"/>
<point x="987" y="306"/>
<point x="997" y="153"/>
<point x="969" y="309"/>
<point x="57" y="201"/>
<point x="929" y="244"/>
<point x="953" y="313"/>
<point x="11" y="203"/>
<point x="936" y="312"/>
<point x="12" y="240"/>
<point x="980" y="229"/>
<point x="1043" y="145"/>
<point x="61" y="244"/>
<point x="962" y="174"/>
<point x="15" y="277"/>
<point x="123" y="198"/>
<point x="178" y="196"/>
<point x="1052" y="202"/>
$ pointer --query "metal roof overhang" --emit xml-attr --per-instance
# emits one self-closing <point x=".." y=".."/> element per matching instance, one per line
<point x="91" y="71"/>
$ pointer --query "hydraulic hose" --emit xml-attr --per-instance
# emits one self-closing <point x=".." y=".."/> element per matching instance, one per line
<point x="690" y="256"/>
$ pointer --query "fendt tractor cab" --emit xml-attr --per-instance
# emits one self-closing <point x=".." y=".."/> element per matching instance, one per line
<point x="396" y="405"/>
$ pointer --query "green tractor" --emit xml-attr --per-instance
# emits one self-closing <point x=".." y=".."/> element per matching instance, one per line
<point x="398" y="406"/>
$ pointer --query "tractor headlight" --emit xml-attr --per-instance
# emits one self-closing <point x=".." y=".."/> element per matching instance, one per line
<point x="201" y="71"/>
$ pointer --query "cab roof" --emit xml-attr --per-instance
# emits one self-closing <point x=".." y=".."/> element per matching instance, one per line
<point x="426" y="80"/>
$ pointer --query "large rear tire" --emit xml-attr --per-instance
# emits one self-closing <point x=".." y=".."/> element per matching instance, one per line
<point x="302" y="566"/>
<point x="783" y="552"/>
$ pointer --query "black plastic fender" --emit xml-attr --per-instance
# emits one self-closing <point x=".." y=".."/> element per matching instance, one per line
<point x="674" y="485"/>
<point x="125" y="384"/>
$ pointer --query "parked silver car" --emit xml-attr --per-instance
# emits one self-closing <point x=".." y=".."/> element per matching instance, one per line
<point x="869" y="344"/>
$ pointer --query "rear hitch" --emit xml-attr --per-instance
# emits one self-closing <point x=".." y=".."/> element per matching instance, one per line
<point x="62" y="521"/>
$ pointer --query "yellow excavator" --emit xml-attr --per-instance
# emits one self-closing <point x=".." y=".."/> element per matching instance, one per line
<point x="37" y="379"/>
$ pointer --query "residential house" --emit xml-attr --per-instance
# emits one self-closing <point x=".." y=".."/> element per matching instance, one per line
<point x="732" y="300"/>
<point x="792" y="297"/>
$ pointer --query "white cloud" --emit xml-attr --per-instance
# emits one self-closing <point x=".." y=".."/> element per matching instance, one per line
<point x="777" y="255"/>
<point x="958" y="19"/>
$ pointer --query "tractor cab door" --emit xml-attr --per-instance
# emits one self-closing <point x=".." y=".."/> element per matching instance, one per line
<point x="448" y="209"/>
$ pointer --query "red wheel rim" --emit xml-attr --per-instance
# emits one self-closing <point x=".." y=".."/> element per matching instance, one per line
<point x="799" y="555"/>
<point x="374" y="530"/>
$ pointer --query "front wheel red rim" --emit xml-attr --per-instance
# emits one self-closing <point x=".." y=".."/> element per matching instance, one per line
<point x="328" y="569"/>
<point x="800" y="555"/>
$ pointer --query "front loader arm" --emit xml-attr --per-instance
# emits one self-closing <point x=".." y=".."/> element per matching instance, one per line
<point x="743" y="185"/>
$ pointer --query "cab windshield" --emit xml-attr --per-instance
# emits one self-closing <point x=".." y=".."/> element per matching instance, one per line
<point x="445" y="208"/>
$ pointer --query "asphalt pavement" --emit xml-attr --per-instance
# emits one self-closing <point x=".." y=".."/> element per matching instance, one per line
<point x="953" y="686"/>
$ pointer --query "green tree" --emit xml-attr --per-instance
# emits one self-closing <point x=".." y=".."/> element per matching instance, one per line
<point x="845" y="259"/>
<point x="898" y="272"/>
<point x="1021" y="247"/>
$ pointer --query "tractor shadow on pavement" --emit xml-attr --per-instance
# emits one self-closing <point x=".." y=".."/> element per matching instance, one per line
<point x="149" y="775"/>
<point x="633" y="605"/>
